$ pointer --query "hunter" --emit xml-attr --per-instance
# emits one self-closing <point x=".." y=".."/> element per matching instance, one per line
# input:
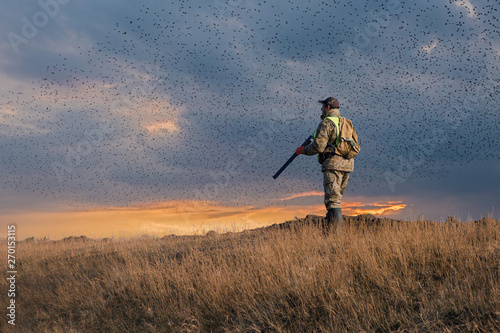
<point x="335" y="168"/>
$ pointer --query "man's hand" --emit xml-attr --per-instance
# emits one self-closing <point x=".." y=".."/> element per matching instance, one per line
<point x="299" y="150"/>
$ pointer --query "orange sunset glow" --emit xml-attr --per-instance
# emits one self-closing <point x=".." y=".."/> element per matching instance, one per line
<point x="176" y="217"/>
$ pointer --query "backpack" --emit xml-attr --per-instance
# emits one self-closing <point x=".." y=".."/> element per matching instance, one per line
<point x="347" y="145"/>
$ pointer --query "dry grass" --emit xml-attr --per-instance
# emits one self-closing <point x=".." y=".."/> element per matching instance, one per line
<point x="373" y="277"/>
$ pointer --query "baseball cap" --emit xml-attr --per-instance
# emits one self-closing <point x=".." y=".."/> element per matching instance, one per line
<point x="333" y="102"/>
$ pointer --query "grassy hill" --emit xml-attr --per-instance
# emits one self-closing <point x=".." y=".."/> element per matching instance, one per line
<point x="373" y="275"/>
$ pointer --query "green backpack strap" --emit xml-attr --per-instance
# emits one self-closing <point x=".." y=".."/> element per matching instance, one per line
<point x="336" y="122"/>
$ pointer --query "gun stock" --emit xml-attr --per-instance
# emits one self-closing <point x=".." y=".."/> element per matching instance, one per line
<point x="290" y="160"/>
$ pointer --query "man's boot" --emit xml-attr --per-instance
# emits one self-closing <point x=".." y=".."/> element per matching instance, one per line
<point x="329" y="220"/>
<point x="334" y="218"/>
<point x="337" y="217"/>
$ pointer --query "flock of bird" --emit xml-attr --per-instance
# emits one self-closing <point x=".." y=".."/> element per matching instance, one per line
<point x="172" y="96"/>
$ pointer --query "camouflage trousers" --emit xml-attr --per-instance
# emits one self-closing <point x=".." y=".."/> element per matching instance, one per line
<point x="334" y="183"/>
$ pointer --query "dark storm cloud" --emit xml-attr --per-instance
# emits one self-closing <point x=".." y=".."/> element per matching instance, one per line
<point x="240" y="88"/>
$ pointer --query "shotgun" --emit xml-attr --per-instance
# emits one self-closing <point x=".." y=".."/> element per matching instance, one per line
<point x="290" y="160"/>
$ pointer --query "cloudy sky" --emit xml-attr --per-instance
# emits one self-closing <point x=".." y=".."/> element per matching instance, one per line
<point x="167" y="117"/>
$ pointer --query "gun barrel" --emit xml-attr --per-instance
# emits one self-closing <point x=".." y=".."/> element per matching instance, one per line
<point x="290" y="160"/>
<point x="285" y="165"/>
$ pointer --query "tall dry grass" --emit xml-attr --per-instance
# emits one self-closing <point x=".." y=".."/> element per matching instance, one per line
<point x="401" y="277"/>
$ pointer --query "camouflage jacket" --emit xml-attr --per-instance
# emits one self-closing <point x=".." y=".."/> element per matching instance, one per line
<point x="326" y="135"/>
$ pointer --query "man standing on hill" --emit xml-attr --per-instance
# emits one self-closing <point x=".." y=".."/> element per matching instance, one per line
<point x="335" y="168"/>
